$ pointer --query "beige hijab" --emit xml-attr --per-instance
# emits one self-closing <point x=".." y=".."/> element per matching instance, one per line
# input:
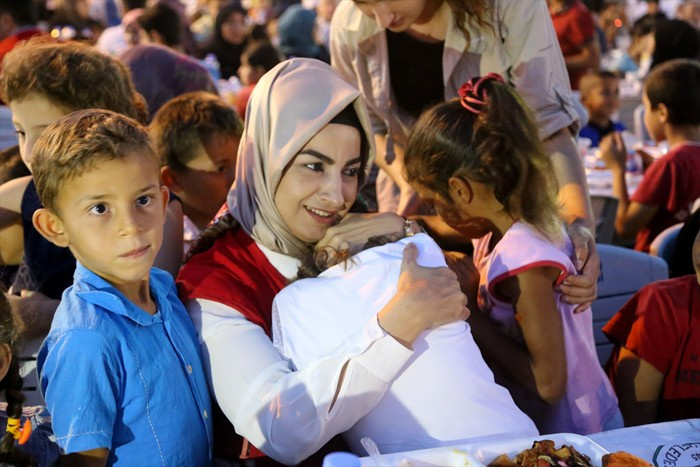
<point x="289" y="105"/>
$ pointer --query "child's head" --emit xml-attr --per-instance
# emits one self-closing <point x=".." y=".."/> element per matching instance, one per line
<point x="672" y="97"/>
<point x="484" y="144"/>
<point x="10" y="379"/>
<point x="600" y="94"/>
<point x="42" y="81"/>
<point x="257" y="58"/>
<point x="98" y="177"/>
<point x="196" y="136"/>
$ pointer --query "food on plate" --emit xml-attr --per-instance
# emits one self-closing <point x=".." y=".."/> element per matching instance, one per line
<point x="623" y="459"/>
<point x="544" y="454"/>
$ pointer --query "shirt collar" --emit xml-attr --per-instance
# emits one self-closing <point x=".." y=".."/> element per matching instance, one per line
<point x="97" y="291"/>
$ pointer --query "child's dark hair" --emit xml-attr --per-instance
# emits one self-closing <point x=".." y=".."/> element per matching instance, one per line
<point x="184" y="123"/>
<point x="676" y="84"/>
<point x="592" y="79"/>
<point x="165" y="20"/>
<point x="495" y="144"/>
<point x="11" y="384"/>
<point x="317" y="261"/>
<point x="76" y="142"/>
<point x="261" y="54"/>
<point x="71" y="75"/>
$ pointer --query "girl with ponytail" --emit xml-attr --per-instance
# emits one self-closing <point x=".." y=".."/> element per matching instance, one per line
<point x="479" y="160"/>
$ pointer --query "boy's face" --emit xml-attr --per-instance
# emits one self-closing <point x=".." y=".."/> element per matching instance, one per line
<point x="30" y="117"/>
<point x="203" y="187"/>
<point x="604" y="99"/>
<point x="111" y="216"/>
<point x="652" y="120"/>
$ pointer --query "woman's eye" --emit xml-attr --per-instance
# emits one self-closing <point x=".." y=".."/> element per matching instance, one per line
<point x="315" y="166"/>
<point x="98" y="209"/>
<point x="144" y="200"/>
<point x="351" y="171"/>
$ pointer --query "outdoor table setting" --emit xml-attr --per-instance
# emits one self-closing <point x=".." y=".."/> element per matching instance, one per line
<point x="667" y="444"/>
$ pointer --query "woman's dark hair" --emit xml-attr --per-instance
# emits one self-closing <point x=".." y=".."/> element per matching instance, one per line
<point x="348" y="116"/>
<point x="674" y="38"/>
<point x="499" y="147"/>
<point x="165" y="20"/>
<point x="11" y="384"/>
<point x="262" y="54"/>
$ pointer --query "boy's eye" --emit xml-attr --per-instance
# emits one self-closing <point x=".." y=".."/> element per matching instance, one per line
<point x="144" y="200"/>
<point x="98" y="209"/>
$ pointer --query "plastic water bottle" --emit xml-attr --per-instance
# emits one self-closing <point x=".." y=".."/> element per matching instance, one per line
<point x="341" y="459"/>
<point x="211" y="63"/>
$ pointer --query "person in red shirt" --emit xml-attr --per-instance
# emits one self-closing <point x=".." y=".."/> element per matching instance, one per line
<point x="575" y="29"/>
<point x="655" y="365"/>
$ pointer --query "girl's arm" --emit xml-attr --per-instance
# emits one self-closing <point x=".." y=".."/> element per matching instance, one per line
<point x="540" y="367"/>
<point x="639" y="386"/>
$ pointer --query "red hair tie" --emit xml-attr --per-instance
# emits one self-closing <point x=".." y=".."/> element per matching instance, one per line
<point x="473" y="94"/>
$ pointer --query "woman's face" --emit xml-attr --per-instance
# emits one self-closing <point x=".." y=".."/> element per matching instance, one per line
<point x="234" y="29"/>
<point x="320" y="184"/>
<point x="396" y="15"/>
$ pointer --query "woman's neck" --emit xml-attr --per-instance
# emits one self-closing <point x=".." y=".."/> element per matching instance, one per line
<point x="432" y="24"/>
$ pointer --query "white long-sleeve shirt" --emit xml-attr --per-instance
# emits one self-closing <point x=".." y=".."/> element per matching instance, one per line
<point x="287" y="414"/>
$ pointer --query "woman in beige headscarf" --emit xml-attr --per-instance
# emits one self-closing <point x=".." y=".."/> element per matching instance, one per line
<point x="305" y="150"/>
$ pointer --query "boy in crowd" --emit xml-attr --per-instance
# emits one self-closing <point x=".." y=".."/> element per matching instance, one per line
<point x="670" y="185"/>
<point x="196" y="136"/>
<point x="121" y="368"/>
<point x="601" y="98"/>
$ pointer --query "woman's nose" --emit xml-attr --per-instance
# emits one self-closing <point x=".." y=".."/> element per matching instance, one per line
<point x="382" y="13"/>
<point x="332" y="191"/>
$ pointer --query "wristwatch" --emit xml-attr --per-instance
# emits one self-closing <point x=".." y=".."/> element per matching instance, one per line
<point x="410" y="227"/>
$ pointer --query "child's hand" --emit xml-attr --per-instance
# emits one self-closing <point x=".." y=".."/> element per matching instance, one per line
<point x="613" y="151"/>
<point x="582" y="289"/>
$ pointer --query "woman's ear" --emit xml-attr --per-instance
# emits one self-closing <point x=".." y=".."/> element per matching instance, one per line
<point x="5" y="359"/>
<point x="460" y="190"/>
<point x="50" y="227"/>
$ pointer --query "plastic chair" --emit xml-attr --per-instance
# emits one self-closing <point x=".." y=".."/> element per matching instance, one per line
<point x="604" y="212"/>
<point x="665" y="243"/>
<point x="623" y="273"/>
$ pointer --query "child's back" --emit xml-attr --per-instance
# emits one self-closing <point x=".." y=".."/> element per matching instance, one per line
<point x="312" y="317"/>
<point x="589" y="401"/>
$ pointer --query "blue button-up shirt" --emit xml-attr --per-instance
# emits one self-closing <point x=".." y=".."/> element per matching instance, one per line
<point x="116" y="377"/>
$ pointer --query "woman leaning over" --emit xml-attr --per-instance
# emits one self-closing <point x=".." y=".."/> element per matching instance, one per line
<point x="304" y="152"/>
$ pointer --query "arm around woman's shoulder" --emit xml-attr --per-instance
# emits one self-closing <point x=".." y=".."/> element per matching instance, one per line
<point x="289" y="415"/>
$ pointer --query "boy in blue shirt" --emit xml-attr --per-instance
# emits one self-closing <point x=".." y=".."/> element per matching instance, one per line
<point x="601" y="98"/>
<point x="120" y="369"/>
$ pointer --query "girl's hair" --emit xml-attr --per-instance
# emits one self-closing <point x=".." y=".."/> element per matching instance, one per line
<point x="72" y="75"/>
<point x="261" y="53"/>
<point x="11" y="384"/>
<point x="475" y="12"/>
<point x="495" y="143"/>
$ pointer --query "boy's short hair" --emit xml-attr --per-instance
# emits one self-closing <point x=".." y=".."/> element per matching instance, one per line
<point x="261" y="53"/>
<point x="590" y="80"/>
<point x="676" y="84"/>
<point x="184" y="123"/>
<point x="75" y="143"/>
<point x="71" y="75"/>
<point x="165" y="20"/>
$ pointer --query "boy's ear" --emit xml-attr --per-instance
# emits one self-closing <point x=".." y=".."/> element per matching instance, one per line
<point x="50" y="227"/>
<point x="5" y="359"/>
<point x="663" y="113"/>
<point x="166" y="197"/>
<point x="460" y="190"/>
<point x="170" y="179"/>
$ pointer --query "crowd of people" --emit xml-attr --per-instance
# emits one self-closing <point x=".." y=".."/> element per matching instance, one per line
<point x="255" y="231"/>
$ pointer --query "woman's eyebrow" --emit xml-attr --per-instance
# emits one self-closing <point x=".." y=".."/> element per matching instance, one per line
<point x="326" y="159"/>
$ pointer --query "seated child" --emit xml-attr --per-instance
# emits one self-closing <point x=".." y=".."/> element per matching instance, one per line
<point x="121" y="368"/>
<point x="670" y="185"/>
<point x="257" y="58"/>
<point x="654" y="365"/>
<point x="20" y="443"/>
<point x="601" y="98"/>
<point x="480" y="162"/>
<point x="40" y="84"/>
<point x="462" y="400"/>
<point x="196" y="136"/>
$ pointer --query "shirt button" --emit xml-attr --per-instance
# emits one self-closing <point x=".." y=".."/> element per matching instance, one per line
<point x="189" y="369"/>
<point x="206" y="415"/>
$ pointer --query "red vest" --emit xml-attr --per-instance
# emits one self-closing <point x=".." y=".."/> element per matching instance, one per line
<point x="236" y="273"/>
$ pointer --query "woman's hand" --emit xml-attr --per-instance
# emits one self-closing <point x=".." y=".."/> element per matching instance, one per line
<point x="353" y="231"/>
<point x="425" y="298"/>
<point x="613" y="151"/>
<point x="582" y="289"/>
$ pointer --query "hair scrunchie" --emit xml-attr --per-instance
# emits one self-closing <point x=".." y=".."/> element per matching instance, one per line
<point x="473" y="92"/>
